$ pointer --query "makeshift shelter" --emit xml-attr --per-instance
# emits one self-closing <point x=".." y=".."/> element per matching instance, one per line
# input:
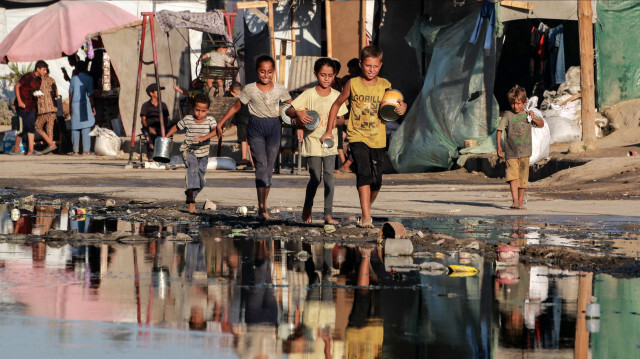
<point x="456" y="101"/>
<point x="122" y="44"/>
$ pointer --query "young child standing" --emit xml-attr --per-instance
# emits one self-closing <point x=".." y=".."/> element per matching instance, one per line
<point x="263" y="133"/>
<point x="517" y="128"/>
<point x="195" y="148"/>
<point x="320" y="159"/>
<point x="366" y="132"/>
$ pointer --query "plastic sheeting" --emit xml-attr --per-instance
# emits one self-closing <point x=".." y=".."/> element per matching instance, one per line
<point x="456" y="103"/>
<point x="617" y="55"/>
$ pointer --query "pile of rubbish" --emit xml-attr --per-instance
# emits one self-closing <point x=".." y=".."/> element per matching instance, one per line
<point x="562" y="110"/>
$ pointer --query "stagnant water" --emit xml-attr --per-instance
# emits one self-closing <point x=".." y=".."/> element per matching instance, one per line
<point x="224" y="297"/>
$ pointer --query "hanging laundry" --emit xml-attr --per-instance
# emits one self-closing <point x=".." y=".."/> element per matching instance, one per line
<point x="539" y="36"/>
<point x="556" y="55"/>
<point x="488" y="11"/>
<point x="106" y="72"/>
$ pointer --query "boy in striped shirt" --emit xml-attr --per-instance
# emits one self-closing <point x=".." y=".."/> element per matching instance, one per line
<point x="195" y="151"/>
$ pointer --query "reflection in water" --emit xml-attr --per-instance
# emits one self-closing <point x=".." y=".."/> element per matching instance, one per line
<point x="270" y="298"/>
<point x="262" y="298"/>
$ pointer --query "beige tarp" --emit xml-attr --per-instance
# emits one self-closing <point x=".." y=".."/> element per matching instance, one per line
<point x="545" y="9"/>
<point x="173" y="65"/>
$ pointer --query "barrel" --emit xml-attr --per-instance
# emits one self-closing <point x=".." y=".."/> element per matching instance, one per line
<point x="162" y="150"/>
<point x="390" y="101"/>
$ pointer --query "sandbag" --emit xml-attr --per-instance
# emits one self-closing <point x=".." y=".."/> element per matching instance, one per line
<point x="221" y="163"/>
<point x="107" y="142"/>
<point x="540" y="136"/>
<point x="563" y="129"/>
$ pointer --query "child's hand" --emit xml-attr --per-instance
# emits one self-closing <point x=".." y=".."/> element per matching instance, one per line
<point x="303" y="117"/>
<point x="199" y="138"/>
<point x="325" y="136"/>
<point x="500" y="153"/>
<point x="152" y="131"/>
<point x="300" y="134"/>
<point x="402" y="109"/>
<point x="219" y="131"/>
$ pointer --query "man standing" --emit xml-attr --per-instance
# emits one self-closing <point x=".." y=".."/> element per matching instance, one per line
<point x="26" y="90"/>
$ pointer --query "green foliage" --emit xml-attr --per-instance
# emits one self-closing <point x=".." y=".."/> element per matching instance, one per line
<point x="17" y="72"/>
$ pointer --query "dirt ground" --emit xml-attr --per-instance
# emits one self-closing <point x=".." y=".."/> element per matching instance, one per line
<point x="605" y="186"/>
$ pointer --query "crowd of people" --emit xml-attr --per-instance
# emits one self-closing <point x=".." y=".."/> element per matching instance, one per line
<point x="258" y="111"/>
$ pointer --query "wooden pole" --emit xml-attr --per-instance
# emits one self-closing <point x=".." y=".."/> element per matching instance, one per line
<point x="271" y="26"/>
<point x="363" y="24"/>
<point x="282" y="61"/>
<point x="327" y="16"/>
<point x="585" y="288"/>
<point x="585" y="25"/>
<point x="293" y="33"/>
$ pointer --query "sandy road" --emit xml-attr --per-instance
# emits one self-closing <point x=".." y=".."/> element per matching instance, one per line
<point x="454" y="193"/>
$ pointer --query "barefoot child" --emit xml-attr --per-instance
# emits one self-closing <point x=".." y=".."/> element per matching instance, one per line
<point x="366" y="132"/>
<point x="320" y="159"/>
<point x="195" y="148"/>
<point x="263" y="133"/>
<point x="517" y="128"/>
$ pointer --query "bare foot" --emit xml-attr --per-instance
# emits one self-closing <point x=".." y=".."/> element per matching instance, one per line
<point x="329" y="220"/>
<point x="515" y="206"/>
<point x="366" y="223"/>
<point x="306" y="215"/>
<point x="263" y="214"/>
<point x="521" y="206"/>
<point x="192" y="208"/>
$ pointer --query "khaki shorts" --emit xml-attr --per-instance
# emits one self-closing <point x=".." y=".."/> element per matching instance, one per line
<point x="518" y="170"/>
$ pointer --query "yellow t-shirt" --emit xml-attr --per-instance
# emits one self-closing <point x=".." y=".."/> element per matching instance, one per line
<point x="364" y="123"/>
<point x="311" y="100"/>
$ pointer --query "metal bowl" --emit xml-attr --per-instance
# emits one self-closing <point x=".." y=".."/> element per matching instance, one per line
<point x="315" y="122"/>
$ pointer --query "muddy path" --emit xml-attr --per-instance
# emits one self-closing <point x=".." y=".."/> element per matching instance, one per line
<point x="584" y="243"/>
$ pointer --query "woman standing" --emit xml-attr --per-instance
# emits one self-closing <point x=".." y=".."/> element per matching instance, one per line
<point x="82" y="108"/>
<point x="47" y="110"/>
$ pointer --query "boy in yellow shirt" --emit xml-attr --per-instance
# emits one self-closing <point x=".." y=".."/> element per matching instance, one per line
<point x="366" y="132"/>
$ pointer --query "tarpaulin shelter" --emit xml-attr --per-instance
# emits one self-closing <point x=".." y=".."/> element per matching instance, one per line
<point x="60" y="29"/>
<point x="173" y="52"/>
<point x="456" y="100"/>
<point x="617" y="51"/>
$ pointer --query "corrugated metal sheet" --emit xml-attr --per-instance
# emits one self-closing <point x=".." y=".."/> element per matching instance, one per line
<point x="301" y="73"/>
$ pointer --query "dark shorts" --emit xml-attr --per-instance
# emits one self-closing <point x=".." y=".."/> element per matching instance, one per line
<point x="242" y="131"/>
<point x="28" y="121"/>
<point x="368" y="165"/>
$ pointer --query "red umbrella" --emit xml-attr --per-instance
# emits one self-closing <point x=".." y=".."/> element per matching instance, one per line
<point x="60" y="29"/>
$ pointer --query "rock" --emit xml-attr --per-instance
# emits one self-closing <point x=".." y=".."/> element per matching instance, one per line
<point x="576" y="147"/>
<point x="209" y="206"/>
<point x="180" y="237"/>
<point x="84" y="199"/>
<point x="398" y="247"/>
<point x="110" y="202"/>
<point x="623" y="114"/>
<point x="473" y="245"/>
<point x="420" y="234"/>
<point x="313" y="233"/>
<point x="432" y="266"/>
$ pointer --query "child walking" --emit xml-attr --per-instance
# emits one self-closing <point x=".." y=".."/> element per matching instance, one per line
<point x="195" y="148"/>
<point x="516" y="126"/>
<point x="263" y="133"/>
<point x="321" y="159"/>
<point x="366" y="132"/>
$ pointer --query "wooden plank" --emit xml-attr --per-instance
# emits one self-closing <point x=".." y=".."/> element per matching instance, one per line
<point x="363" y="24"/>
<point x="252" y="4"/>
<point x="282" y="61"/>
<point x="293" y="32"/>
<point x="327" y="16"/>
<point x="587" y="85"/>
<point x="517" y="4"/>
<point x="259" y="14"/>
<point x="271" y="29"/>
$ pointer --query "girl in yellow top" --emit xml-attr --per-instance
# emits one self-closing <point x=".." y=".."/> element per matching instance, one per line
<point x="366" y="132"/>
